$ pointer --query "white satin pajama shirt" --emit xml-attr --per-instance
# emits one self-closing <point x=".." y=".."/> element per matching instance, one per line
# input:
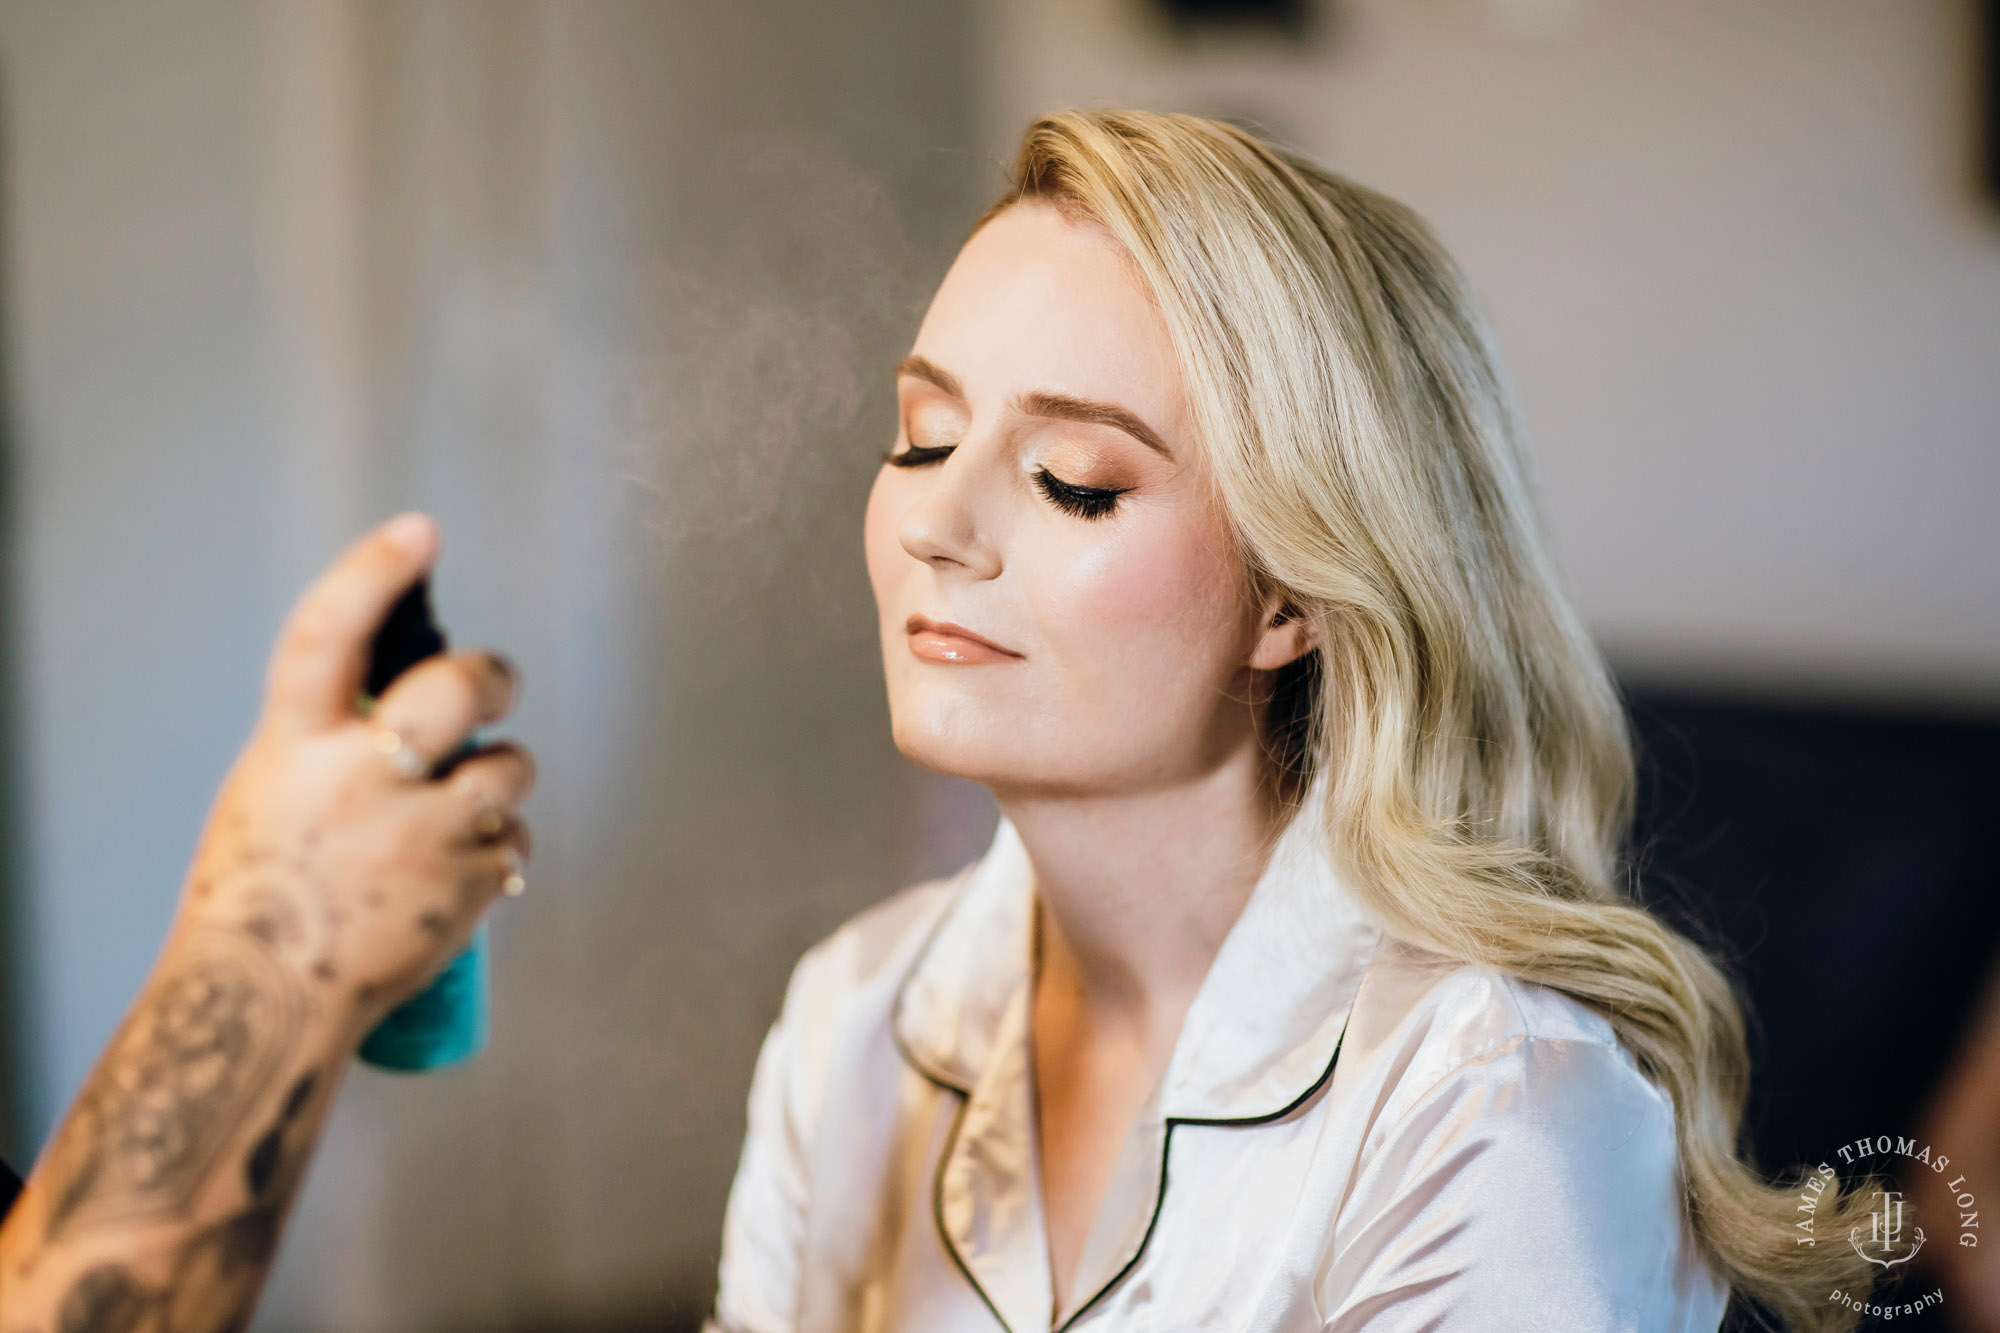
<point x="1349" y="1135"/>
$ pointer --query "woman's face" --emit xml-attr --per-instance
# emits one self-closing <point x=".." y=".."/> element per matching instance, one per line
<point x="1062" y="610"/>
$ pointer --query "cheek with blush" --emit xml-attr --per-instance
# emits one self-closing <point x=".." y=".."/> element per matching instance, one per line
<point x="1159" y="606"/>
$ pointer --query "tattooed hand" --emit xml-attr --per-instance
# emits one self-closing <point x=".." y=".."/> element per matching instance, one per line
<point x="327" y="888"/>
<point x="364" y="880"/>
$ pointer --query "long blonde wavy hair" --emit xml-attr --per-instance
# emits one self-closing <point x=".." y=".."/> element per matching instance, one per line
<point x="1364" y="442"/>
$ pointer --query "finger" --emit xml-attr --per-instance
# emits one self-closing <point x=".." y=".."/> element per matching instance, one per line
<point x="453" y="816"/>
<point x="496" y="776"/>
<point x="499" y="872"/>
<point x="513" y="871"/>
<point x="436" y="704"/>
<point x="321" y="656"/>
<point x="493" y="827"/>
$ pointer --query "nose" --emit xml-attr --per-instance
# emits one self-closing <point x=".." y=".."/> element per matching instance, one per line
<point x="943" y="528"/>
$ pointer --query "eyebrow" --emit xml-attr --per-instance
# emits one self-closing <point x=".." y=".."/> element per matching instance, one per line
<point x="1063" y="407"/>
<point x="1038" y="403"/>
<point x="917" y="367"/>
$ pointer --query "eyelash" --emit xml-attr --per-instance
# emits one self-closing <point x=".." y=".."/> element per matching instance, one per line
<point x="1086" y="502"/>
<point x="1083" y="501"/>
<point x="917" y="457"/>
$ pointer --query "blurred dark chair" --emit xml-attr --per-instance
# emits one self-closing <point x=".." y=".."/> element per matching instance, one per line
<point x="1847" y="866"/>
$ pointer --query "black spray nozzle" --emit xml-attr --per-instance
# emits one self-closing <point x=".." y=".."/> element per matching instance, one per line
<point x="408" y="635"/>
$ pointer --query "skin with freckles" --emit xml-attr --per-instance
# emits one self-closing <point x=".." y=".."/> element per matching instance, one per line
<point x="1066" y="620"/>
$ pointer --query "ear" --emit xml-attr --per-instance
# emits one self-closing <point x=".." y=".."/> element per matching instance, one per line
<point x="1286" y="637"/>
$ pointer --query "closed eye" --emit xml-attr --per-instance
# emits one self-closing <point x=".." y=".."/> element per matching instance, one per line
<point x="915" y="456"/>
<point x="1082" y="501"/>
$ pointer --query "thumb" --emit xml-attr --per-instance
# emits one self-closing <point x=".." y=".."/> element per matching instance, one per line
<point x="321" y="656"/>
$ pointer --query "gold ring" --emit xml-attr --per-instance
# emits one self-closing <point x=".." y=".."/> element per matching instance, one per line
<point x="408" y="761"/>
<point x="490" y="824"/>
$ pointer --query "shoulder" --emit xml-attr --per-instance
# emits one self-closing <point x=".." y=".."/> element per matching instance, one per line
<point x="1507" y="1117"/>
<point x="842" y="992"/>
<point x="835" y="1016"/>
<point x="1430" y="1023"/>
<point x="872" y="950"/>
<point x="1529" y="1083"/>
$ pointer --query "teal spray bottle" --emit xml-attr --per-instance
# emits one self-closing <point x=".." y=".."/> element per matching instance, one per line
<point x="446" y="1022"/>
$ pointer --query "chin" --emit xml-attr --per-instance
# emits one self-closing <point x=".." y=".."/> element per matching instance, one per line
<point x="1003" y="759"/>
<point x="948" y="751"/>
<point x="977" y="745"/>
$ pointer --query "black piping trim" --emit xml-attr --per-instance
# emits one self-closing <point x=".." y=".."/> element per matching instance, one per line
<point x="937" y="1205"/>
<point x="1166" y="1152"/>
<point x="965" y="1099"/>
<point x="951" y="909"/>
<point x="1159" y="1198"/>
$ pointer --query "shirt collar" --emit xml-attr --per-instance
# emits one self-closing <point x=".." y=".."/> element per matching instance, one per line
<point x="950" y="1007"/>
<point x="1262" y="1029"/>
<point x="1258" y="1041"/>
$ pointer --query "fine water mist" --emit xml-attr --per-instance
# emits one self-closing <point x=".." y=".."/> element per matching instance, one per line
<point x="761" y="389"/>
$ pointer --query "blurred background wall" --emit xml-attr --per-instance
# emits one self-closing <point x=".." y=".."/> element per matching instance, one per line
<point x="612" y="288"/>
<point x="1739" y="260"/>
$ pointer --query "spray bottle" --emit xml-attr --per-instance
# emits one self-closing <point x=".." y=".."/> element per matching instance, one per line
<point x="446" y="1022"/>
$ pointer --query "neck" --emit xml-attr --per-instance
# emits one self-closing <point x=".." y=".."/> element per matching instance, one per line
<point x="1135" y="891"/>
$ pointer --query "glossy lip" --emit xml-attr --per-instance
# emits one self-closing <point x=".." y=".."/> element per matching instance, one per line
<point x="942" y="642"/>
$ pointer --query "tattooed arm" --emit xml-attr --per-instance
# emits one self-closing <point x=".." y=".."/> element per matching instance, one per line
<point x="326" y="890"/>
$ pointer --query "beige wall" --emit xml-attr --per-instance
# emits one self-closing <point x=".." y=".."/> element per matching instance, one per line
<point x="1748" y="289"/>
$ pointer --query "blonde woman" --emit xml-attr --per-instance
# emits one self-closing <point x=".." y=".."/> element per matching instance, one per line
<point x="1298" y="989"/>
